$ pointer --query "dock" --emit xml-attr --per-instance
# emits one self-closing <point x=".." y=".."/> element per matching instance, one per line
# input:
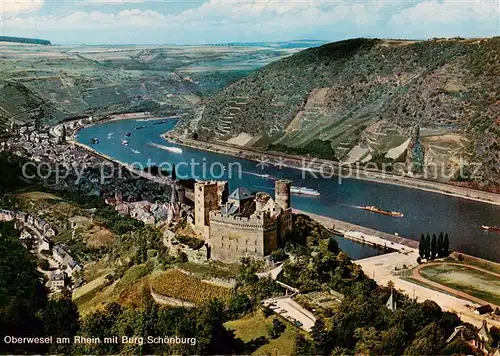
<point x="363" y="234"/>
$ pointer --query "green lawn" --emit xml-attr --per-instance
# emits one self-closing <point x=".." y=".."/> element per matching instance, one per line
<point x="476" y="283"/>
<point x="34" y="196"/>
<point x="254" y="326"/>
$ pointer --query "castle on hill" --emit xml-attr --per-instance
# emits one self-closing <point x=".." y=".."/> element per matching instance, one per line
<point x="242" y="224"/>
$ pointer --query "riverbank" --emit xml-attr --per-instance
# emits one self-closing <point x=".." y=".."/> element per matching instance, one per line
<point x="157" y="179"/>
<point x="364" y="235"/>
<point x="317" y="166"/>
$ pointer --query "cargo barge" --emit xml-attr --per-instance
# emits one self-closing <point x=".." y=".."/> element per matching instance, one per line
<point x="374" y="209"/>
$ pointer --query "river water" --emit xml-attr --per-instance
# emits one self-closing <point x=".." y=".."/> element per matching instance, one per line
<point x="424" y="212"/>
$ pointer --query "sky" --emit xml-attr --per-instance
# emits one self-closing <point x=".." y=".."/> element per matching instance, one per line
<point x="222" y="21"/>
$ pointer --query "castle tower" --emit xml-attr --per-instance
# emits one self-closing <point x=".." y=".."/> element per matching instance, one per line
<point x="206" y="199"/>
<point x="282" y="197"/>
<point x="118" y="197"/>
<point x="63" y="134"/>
<point x="282" y="193"/>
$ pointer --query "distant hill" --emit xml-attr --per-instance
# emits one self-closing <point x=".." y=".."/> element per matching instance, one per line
<point x="282" y="44"/>
<point x="364" y="96"/>
<point x="24" y="40"/>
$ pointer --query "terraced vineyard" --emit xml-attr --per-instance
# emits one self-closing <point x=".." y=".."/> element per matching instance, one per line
<point x="176" y="284"/>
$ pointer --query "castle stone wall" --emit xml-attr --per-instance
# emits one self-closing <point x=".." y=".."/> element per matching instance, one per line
<point x="234" y="237"/>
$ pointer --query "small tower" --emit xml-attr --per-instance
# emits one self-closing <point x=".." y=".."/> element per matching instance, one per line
<point x="174" y="174"/>
<point x="282" y="193"/>
<point x="391" y="303"/>
<point x="181" y="194"/>
<point x="37" y="123"/>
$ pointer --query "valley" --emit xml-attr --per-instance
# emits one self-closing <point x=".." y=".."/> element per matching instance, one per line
<point x="363" y="98"/>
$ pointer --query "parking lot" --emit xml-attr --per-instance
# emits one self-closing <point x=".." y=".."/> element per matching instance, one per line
<point x="292" y="311"/>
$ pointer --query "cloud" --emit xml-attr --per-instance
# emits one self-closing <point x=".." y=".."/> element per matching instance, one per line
<point x="447" y="12"/>
<point x="19" y="6"/>
<point x="234" y="20"/>
<point x="448" y="18"/>
<point x="271" y="13"/>
<point x="107" y="2"/>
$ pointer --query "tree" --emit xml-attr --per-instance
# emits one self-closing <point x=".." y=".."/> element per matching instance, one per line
<point x="44" y="264"/>
<point x="440" y="245"/>
<point x="421" y="246"/>
<point x="61" y="319"/>
<point x="321" y="337"/>
<point x="457" y="347"/>
<point x="428" y="247"/>
<point x="276" y="328"/>
<point x="333" y="246"/>
<point x="428" y="341"/>
<point x="433" y="247"/>
<point x="303" y="346"/>
<point x="446" y="246"/>
<point x="239" y="305"/>
<point x="25" y="310"/>
<point x="267" y="312"/>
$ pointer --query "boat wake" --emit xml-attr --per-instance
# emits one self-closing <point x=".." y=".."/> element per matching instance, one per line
<point x="267" y="176"/>
<point x="166" y="148"/>
<point x="135" y="151"/>
<point x="110" y="135"/>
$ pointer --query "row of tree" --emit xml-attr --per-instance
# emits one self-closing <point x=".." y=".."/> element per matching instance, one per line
<point x="435" y="247"/>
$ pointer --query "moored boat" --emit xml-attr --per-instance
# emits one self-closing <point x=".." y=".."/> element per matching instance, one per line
<point x="140" y="127"/>
<point x="94" y="141"/>
<point x="374" y="209"/>
<point x="124" y="142"/>
<point x="491" y="228"/>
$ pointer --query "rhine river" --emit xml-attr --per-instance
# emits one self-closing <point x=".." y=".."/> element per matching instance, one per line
<point x="424" y="212"/>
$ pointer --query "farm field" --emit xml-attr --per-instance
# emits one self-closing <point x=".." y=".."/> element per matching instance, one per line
<point x="477" y="283"/>
<point x="255" y="326"/>
<point x="176" y="284"/>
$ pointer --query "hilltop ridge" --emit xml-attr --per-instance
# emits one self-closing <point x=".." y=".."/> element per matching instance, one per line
<point x="24" y="40"/>
<point x="363" y="97"/>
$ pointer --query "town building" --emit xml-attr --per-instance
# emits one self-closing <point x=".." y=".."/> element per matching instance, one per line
<point x="477" y="340"/>
<point x="245" y="225"/>
<point x="483" y="309"/>
<point x="57" y="281"/>
<point x="7" y="215"/>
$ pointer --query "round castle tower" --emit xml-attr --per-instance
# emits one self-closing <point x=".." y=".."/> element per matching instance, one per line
<point x="282" y="193"/>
